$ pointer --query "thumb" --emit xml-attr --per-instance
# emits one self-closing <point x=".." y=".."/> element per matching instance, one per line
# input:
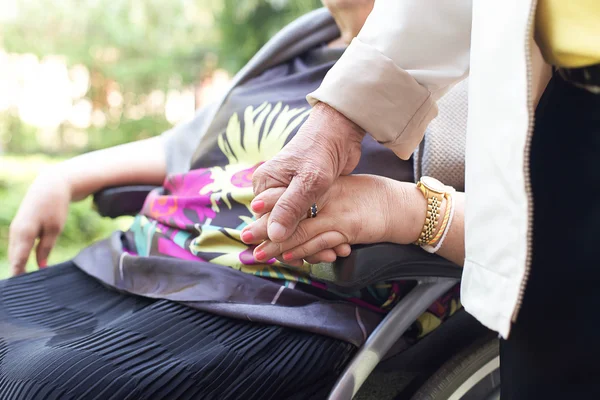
<point x="291" y="208"/>
<point x="45" y="245"/>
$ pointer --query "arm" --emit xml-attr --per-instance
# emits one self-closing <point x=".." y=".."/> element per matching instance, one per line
<point x="43" y="211"/>
<point x="141" y="162"/>
<point x="358" y="209"/>
<point x="407" y="55"/>
<point x="406" y="228"/>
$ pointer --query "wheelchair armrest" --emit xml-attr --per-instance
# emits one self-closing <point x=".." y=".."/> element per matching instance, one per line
<point x="375" y="263"/>
<point x="123" y="200"/>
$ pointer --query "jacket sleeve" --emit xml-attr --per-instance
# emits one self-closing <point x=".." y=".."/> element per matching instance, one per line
<point x="408" y="54"/>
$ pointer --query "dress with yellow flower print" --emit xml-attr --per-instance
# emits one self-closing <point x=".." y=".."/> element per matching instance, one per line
<point x="199" y="215"/>
<point x="182" y="218"/>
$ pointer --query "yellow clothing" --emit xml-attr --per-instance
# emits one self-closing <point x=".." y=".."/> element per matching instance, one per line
<point x="568" y="32"/>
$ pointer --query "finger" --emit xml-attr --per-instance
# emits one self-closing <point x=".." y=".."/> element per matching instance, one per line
<point x="292" y="263"/>
<point x="45" y="245"/>
<point x="21" y="242"/>
<point x="264" y="177"/>
<point x="323" y="241"/>
<point x="256" y="232"/>
<point x="343" y="250"/>
<point x="323" y="256"/>
<point x="305" y="231"/>
<point x="264" y="202"/>
<point x="292" y="206"/>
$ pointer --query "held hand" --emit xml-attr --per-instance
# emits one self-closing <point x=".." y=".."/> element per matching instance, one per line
<point x="356" y="209"/>
<point x="42" y="215"/>
<point x="327" y="145"/>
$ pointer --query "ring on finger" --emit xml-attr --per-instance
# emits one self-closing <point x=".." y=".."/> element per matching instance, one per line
<point x="312" y="211"/>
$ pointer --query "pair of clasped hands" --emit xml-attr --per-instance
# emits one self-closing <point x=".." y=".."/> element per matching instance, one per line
<point x="313" y="168"/>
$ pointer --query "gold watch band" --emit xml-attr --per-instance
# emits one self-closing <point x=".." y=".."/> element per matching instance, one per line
<point x="434" y="192"/>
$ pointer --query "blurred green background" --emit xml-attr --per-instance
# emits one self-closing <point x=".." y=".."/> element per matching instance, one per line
<point x="80" y="75"/>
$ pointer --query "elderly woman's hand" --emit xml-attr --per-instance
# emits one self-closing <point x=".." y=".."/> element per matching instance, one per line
<point x="41" y="217"/>
<point x="328" y="145"/>
<point x="356" y="209"/>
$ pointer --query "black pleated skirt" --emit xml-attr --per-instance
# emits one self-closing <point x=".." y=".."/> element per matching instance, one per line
<point x="63" y="335"/>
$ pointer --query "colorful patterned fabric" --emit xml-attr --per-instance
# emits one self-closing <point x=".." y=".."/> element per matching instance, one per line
<point x="194" y="221"/>
<point x="199" y="215"/>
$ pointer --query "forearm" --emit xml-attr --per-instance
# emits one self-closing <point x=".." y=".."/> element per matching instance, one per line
<point x="407" y="209"/>
<point x="141" y="162"/>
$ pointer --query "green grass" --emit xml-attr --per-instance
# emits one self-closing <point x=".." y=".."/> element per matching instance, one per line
<point x="83" y="225"/>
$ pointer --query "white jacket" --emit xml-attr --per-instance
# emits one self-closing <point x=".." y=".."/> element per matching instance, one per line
<point x="409" y="53"/>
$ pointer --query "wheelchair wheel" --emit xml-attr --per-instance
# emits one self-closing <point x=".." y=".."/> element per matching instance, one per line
<point x="473" y="374"/>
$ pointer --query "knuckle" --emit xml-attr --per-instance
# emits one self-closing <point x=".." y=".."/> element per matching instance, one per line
<point x="52" y="229"/>
<point x="269" y="175"/>
<point x="323" y="243"/>
<point x="344" y="250"/>
<point x="305" y="250"/>
<point x="315" y="178"/>
<point x="279" y="248"/>
<point x="288" y="209"/>
<point x="259" y="173"/>
<point x="259" y="178"/>
<point x="301" y="234"/>
<point x="21" y="231"/>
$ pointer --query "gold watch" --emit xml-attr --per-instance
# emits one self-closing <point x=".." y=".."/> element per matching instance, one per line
<point x="434" y="192"/>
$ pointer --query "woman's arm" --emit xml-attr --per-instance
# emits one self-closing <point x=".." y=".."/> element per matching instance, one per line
<point x="406" y="227"/>
<point x="407" y="55"/>
<point x="358" y="209"/>
<point x="43" y="211"/>
<point x="141" y="162"/>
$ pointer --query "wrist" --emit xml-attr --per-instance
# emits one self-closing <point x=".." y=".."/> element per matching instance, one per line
<point x="56" y="178"/>
<point x="338" y="120"/>
<point x="408" y="208"/>
<point x="71" y="177"/>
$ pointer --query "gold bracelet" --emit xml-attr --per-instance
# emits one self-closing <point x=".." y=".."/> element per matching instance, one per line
<point x="437" y="237"/>
<point x="435" y="192"/>
<point x="431" y="221"/>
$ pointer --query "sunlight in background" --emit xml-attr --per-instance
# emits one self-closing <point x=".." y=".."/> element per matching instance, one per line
<point x="46" y="93"/>
<point x="81" y="75"/>
<point x="8" y="10"/>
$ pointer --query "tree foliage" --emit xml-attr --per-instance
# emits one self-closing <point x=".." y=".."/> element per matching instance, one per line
<point x="245" y="26"/>
<point x="139" y="46"/>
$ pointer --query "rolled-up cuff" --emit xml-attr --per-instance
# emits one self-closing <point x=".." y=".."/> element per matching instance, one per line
<point x="383" y="99"/>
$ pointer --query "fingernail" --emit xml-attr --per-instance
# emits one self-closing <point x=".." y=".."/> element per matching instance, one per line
<point x="247" y="236"/>
<point x="288" y="256"/>
<point x="43" y="263"/>
<point x="276" y="231"/>
<point x="259" y="255"/>
<point x="257" y="205"/>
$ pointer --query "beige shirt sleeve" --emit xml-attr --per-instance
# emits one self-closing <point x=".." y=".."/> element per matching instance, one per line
<point x="408" y="55"/>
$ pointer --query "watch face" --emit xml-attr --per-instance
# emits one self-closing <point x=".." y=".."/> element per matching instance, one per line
<point x="433" y="184"/>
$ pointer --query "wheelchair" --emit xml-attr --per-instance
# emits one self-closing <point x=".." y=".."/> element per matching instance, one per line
<point x="458" y="360"/>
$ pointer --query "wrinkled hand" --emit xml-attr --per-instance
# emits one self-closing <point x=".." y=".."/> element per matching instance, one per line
<point x="326" y="146"/>
<point x="41" y="215"/>
<point x="356" y="209"/>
